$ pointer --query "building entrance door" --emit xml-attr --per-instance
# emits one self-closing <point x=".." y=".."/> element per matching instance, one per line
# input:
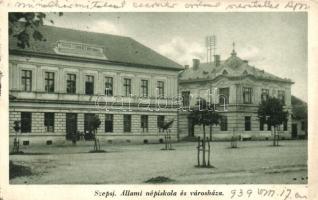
<point x="71" y="125"/>
<point x="88" y="132"/>
<point x="190" y="128"/>
<point x="294" y="130"/>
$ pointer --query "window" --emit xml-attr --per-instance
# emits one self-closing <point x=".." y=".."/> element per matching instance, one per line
<point x="185" y="98"/>
<point x="127" y="123"/>
<point x="160" y="122"/>
<point x="247" y="123"/>
<point x="264" y="95"/>
<point x="303" y="126"/>
<point x="127" y="87"/>
<point x="223" y="123"/>
<point x="161" y="90"/>
<point x="247" y="95"/>
<point x="285" y="125"/>
<point x="109" y="86"/>
<point x="89" y="85"/>
<point x="281" y="96"/>
<point x="49" y="82"/>
<point x="261" y="124"/>
<point x="71" y="84"/>
<point x="26" y="122"/>
<point x="269" y="125"/>
<point x="26" y="80"/>
<point x="71" y="125"/>
<point x="49" y="122"/>
<point x="144" y="123"/>
<point x="88" y="126"/>
<point x="108" y="123"/>
<point x="224" y="95"/>
<point x="144" y="88"/>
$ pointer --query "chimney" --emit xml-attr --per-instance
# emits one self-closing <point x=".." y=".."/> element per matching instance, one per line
<point x="217" y="60"/>
<point x="186" y="67"/>
<point x="196" y="63"/>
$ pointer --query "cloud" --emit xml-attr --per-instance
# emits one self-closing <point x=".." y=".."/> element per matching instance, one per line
<point x="182" y="51"/>
<point x="251" y="53"/>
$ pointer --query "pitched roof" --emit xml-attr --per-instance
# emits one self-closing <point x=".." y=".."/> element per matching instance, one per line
<point x="117" y="49"/>
<point x="232" y="67"/>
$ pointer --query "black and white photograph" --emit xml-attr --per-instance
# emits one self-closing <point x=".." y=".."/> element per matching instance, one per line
<point x="158" y="98"/>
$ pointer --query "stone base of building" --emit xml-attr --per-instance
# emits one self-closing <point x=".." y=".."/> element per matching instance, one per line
<point x="228" y="135"/>
<point x="28" y="140"/>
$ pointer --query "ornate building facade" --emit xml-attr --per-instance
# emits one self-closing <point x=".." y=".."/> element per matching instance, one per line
<point x="238" y="89"/>
<point x="57" y="86"/>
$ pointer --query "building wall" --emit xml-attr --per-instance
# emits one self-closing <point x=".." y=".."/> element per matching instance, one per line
<point x="38" y="101"/>
<point x="236" y="110"/>
<point x="39" y="66"/>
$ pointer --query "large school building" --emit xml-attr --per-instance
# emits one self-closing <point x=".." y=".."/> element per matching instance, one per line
<point x="58" y="85"/>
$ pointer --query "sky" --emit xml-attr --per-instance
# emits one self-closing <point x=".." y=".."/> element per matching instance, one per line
<point x="275" y="42"/>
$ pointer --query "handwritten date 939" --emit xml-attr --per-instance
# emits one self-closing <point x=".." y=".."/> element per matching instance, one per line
<point x="285" y="194"/>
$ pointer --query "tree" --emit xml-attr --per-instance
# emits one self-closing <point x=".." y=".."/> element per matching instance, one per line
<point x="23" y="25"/>
<point x="272" y="112"/>
<point x="93" y="125"/>
<point x="204" y="114"/>
<point x="165" y="127"/>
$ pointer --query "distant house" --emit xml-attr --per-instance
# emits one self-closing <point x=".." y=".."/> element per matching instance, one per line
<point x="237" y="88"/>
<point x="299" y="118"/>
<point x="55" y="87"/>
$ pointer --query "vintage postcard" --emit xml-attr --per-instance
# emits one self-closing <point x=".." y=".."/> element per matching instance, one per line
<point x="158" y="99"/>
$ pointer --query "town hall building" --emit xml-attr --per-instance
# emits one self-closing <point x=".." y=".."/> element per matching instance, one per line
<point x="237" y="88"/>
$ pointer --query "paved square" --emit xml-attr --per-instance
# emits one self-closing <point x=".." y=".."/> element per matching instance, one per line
<point x="253" y="162"/>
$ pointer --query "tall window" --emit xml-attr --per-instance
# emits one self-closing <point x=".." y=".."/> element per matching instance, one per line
<point x="144" y="88"/>
<point x="71" y="84"/>
<point x="285" y="125"/>
<point x="49" y="82"/>
<point x="49" y="122"/>
<point x="223" y="123"/>
<point x="109" y="86"/>
<point x="161" y="89"/>
<point x="303" y="126"/>
<point x="185" y="98"/>
<point x="144" y="123"/>
<point x="281" y="96"/>
<point x="160" y="122"/>
<point x="269" y="125"/>
<point x="26" y="122"/>
<point x="127" y="123"/>
<point x="247" y="123"/>
<point x="108" y="123"/>
<point x="265" y="94"/>
<point x="224" y="95"/>
<point x="247" y="95"/>
<point x="26" y="80"/>
<point x="89" y="85"/>
<point x="261" y="125"/>
<point x="127" y="87"/>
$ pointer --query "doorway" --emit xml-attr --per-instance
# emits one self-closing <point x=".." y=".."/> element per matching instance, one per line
<point x="294" y="131"/>
<point x="71" y="125"/>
